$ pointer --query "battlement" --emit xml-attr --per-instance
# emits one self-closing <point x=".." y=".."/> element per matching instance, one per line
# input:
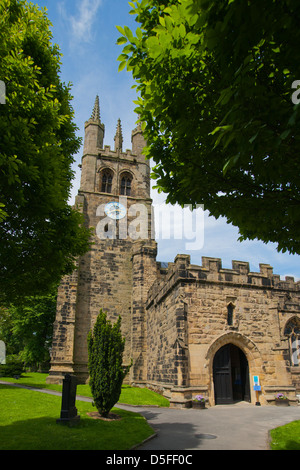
<point x="241" y="274"/>
<point x="128" y="155"/>
<point x="107" y="151"/>
<point x="212" y="271"/>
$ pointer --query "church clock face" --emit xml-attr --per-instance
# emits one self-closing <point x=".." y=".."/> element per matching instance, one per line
<point x="115" y="210"/>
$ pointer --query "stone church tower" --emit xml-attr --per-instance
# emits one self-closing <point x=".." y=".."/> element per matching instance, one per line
<point x="114" y="197"/>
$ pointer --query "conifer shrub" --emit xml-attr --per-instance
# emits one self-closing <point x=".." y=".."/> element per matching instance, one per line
<point x="105" y="357"/>
<point x="13" y="367"/>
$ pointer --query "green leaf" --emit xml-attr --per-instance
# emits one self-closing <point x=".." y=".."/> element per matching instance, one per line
<point x="128" y="48"/>
<point x="182" y="30"/>
<point x="122" y="66"/>
<point x="285" y="134"/>
<point x="230" y="164"/>
<point x="252" y="139"/>
<point x="121" y="40"/>
<point x="139" y="33"/>
<point x="152" y="42"/>
<point x="128" y="33"/>
<point x="121" y="30"/>
<point x="222" y="128"/>
<point x="153" y="46"/>
<point x="225" y="96"/>
<point x="162" y="21"/>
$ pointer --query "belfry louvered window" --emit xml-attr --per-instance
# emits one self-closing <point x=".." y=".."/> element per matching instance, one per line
<point x="106" y="183"/>
<point x="126" y="180"/>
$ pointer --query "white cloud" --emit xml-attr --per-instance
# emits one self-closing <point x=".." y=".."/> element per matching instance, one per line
<point x="82" y="23"/>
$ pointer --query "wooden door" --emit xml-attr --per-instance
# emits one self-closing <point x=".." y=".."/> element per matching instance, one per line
<point x="222" y="376"/>
<point x="245" y="377"/>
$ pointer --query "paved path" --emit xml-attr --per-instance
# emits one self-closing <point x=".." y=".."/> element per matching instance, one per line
<point x="227" y="427"/>
<point x="242" y="426"/>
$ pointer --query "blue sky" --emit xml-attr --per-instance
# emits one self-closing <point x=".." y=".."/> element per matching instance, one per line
<point x="86" y="33"/>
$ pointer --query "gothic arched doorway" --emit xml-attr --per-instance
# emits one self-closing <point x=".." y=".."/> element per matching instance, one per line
<point x="231" y="375"/>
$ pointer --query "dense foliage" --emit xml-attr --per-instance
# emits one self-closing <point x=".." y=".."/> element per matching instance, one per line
<point x="218" y="98"/>
<point x="40" y="234"/>
<point x="105" y="349"/>
<point x="27" y="329"/>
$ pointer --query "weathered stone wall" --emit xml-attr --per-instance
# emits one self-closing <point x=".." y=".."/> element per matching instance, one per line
<point x="64" y="329"/>
<point x="105" y="282"/>
<point x="167" y="330"/>
<point x="145" y="271"/>
<point x="161" y="337"/>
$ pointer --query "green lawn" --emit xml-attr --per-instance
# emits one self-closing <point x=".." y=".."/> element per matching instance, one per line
<point x="129" y="395"/>
<point x="286" y="437"/>
<point x="28" y="422"/>
<point x="28" y="419"/>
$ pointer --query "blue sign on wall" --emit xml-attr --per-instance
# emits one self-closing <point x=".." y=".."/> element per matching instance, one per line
<point x="255" y="380"/>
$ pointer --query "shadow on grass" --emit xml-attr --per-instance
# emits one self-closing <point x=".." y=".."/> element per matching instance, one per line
<point x="44" y="433"/>
<point x="288" y="445"/>
<point x="35" y="434"/>
<point x="292" y="445"/>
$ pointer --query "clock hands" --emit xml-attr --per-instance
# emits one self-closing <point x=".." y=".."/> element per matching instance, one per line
<point x="115" y="210"/>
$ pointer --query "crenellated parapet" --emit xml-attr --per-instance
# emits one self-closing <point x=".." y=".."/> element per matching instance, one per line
<point x="108" y="152"/>
<point x="212" y="271"/>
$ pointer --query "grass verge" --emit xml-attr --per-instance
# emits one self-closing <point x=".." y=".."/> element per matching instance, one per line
<point x="129" y="395"/>
<point x="28" y="422"/>
<point x="286" y="437"/>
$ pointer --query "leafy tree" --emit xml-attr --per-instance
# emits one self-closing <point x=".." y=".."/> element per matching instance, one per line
<point x="105" y="349"/>
<point x="41" y="235"/>
<point x="219" y="102"/>
<point x="27" y="329"/>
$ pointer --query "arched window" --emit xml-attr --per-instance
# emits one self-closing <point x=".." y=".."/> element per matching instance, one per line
<point x="292" y="330"/>
<point x="106" y="181"/>
<point x="126" y="180"/>
<point x="230" y="309"/>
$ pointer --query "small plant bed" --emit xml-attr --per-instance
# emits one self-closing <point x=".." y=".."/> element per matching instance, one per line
<point x="110" y="416"/>
<point x="28" y="422"/>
